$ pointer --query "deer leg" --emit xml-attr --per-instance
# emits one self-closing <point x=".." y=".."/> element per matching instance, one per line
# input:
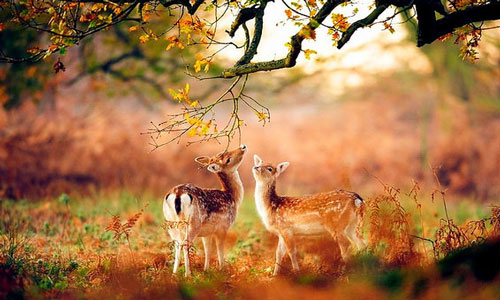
<point x="186" y="247"/>
<point x="289" y="242"/>
<point x="351" y="233"/>
<point x="344" y="244"/>
<point x="177" y="246"/>
<point x="280" y="252"/>
<point x="341" y="238"/>
<point x="208" y="246"/>
<point x="219" y="240"/>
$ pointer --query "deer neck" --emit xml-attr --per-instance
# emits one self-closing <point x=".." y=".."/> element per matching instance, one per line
<point x="266" y="193"/>
<point x="231" y="183"/>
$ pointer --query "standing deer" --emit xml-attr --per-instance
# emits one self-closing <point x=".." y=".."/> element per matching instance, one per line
<point x="193" y="211"/>
<point x="337" y="213"/>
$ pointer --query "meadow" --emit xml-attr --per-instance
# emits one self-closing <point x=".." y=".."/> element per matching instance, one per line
<point x="66" y="248"/>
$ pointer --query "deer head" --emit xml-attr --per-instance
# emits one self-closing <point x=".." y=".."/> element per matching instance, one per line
<point x="267" y="173"/>
<point x="226" y="162"/>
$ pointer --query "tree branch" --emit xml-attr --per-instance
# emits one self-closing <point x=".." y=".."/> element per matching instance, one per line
<point x="192" y="8"/>
<point x="243" y="16"/>
<point x="346" y="36"/>
<point x="295" y="47"/>
<point x="259" y="25"/>
<point x="426" y="20"/>
<point x="460" y="18"/>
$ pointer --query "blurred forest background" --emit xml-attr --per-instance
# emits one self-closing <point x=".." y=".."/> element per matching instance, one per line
<point x="390" y="111"/>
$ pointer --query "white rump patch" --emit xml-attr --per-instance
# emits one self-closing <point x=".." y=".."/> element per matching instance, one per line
<point x="169" y="208"/>
<point x="358" y="202"/>
<point x="185" y="205"/>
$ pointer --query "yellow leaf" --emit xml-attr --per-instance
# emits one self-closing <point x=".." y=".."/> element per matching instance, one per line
<point x="204" y="130"/>
<point x="175" y="95"/>
<point x="308" y="52"/>
<point x="389" y="27"/>
<point x="194" y="103"/>
<point x="186" y="89"/>
<point x="197" y="66"/>
<point x="262" y="116"/>
<point x="192" y="132"/>
<point x="144" y="38"/>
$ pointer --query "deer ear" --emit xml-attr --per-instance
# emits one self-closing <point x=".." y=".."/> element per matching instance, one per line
<point x="202" y="160"/>
<point x="282" y="167"/>
<point x="257" y="160"/>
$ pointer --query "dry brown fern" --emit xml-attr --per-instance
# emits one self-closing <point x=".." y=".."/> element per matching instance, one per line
<point x="389" y="224"/>
<point x="450" y="236"/>
<point x="119" y="230"/>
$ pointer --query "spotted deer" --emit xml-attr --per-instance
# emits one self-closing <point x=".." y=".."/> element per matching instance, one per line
<point x="337" y="213"/>
<point x="192" y="211"/>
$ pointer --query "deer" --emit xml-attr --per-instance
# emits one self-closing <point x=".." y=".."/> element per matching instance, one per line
<point x="337" y="213"/>
<point x="191" y="211"/>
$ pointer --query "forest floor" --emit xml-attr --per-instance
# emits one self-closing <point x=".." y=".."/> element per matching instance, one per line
<point x="63" y="248"/>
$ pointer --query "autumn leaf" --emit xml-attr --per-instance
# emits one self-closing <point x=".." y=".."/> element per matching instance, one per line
<point x="445" y="37"/>
<point x="59" y="66"/>
<point x="389" y="27"/>
<point x="144" y="38"/>
<point x="340" y="22"/>
<point x="174" y="42"/>
<point x="308" y="33"/>
<point x="262" y="116"/>
<point x="175" y="95"/>
<point x="34" y="50"/>
<point x="308" y="52"/>
<point x="181" y="95"/>
<point x="193" y="131"/>
<point x="200" y="62"/>
<point x="288" y="13"/>
<point x="133" y="28"/>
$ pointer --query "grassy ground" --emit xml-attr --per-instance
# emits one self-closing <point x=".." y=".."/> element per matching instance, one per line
<point x="60" y="248"/>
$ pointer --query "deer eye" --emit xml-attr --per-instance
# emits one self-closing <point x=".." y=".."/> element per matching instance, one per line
<point x="228" y="160"/>
<point x="270" y="169"/>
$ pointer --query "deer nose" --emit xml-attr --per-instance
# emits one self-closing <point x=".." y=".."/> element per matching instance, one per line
<point x="243" y="147"/>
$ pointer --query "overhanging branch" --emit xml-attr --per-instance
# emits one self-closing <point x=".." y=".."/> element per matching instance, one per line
<point x="461" y="18"/>
<point x="259" y="26"/>
<point x="295" y="47"/>
<point x="346" y="36"/>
